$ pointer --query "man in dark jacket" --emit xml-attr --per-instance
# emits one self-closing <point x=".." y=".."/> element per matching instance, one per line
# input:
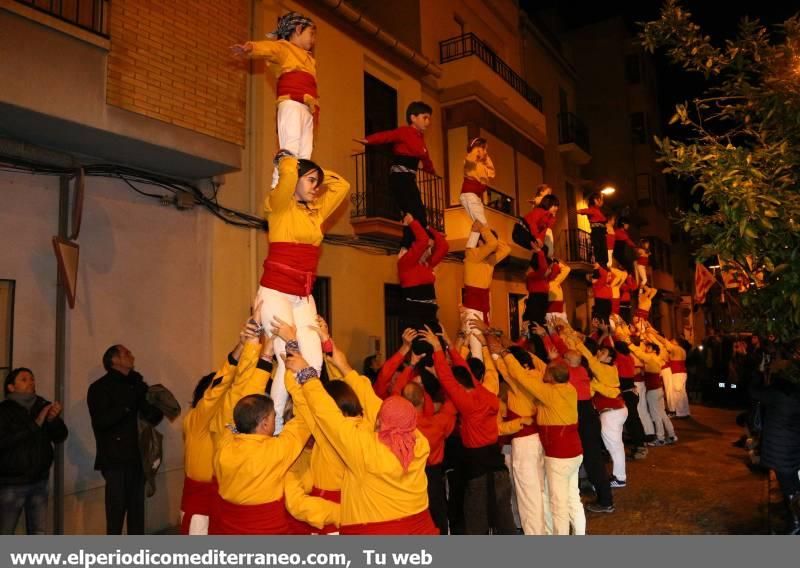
<point x="116" y="401"/>
<point x="29" y="426"/>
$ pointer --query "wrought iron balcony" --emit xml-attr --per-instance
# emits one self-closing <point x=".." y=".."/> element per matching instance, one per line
<point x="371" y="198"/>
<point x="572" y="130"/>
<point x="89" y="15"/>
<point x="469" y="44"/>
<point x="575" y="247"/>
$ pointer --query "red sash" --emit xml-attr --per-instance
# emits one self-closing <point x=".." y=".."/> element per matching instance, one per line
<point x="643" y="261"/>
<point x="333" y="497"/>
<point x="615" y="305"/>
<point x="560" y="441"/>
<point x="291" y="268"/>
<point x="653" y="381"/>
<point x="196" y="500"/>
<point x="528" y="430"/>
<point x="601" y="402"/>
<point x="555" y="307"/>
<point x="418" y="524"/>
<point x="267" y="518"/>
<point x="473" y="186"/>
<point x="477" y="299"/>
<point x="644" y="314"/>
<point x="297" y="85"/>
<point x="678" y="366"/>
<point x="298" y="527"/>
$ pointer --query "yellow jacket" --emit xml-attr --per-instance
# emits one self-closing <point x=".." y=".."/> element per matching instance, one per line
<point x="283" y="56"/>
<point x="556" y="293"/>
<point x="315" y="511"/>
<point x="479" y="263"/>
<point x="558" y="402"/>
<point x="250" y="468"/>
<point x="520" y="401"/>
<point x="293" y="222"/>
<point x="375" y="487"/>
<point x="482" y="171"/>
<point x="198" y="449"/>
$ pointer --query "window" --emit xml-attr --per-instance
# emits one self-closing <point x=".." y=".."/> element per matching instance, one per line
<point x="322" y="297"/>
<point x="638" y="128"/>
<point x="515" y="310"/>
<point x="90" y="15"/>
<point x="643" y="188"/>
<point x="632" y="69"/>
<point x="6" y="326"/>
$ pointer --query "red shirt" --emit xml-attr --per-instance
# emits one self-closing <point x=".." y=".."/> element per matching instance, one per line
<point x="601" y="286"/>
<point x="621" y="234"/>
<point x="579" y="378"/>
<point x="436" y="429"/>
<point x="478" y="407"/>
<point x="594" y="213"/>
<point x="539" y="221"/>
<point x="536" y="280"/>
<point x="625" y="366"/>
<point x="610" y="240"/>
<point x="625" y="290"/>
<point x="410" y="271"/>
<point x="406" y="141"/>
<point x="389" y="368"/>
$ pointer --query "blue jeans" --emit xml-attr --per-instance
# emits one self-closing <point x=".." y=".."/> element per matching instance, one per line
<point x="30" y="496"/>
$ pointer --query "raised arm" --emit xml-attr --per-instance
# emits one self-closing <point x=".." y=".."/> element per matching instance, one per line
<point x="336" y="190"/>
<point x="273" y="51"/>
<point x="417" y="248"/>
<point x="440" y="248"/>
<point x="280" y="198"/>
<point x="384" y="137"/>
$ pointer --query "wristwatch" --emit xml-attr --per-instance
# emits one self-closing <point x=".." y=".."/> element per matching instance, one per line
<point x="305" y="375"/>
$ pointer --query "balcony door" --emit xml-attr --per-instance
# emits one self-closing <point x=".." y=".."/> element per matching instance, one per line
<point x="380" y="113"/>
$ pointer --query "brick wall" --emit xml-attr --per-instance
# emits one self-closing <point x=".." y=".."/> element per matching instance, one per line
<point x="169" y="60"/>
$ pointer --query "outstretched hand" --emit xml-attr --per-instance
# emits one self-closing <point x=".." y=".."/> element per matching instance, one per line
<point x="241" y="49"/>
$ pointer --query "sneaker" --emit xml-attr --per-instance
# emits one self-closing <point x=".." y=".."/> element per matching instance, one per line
<point x="640" y="453"/>
<point x="597" y="508"/>
<point x="656" y="443"/>
<point x="671" y="440"/>
<point x="617" y="483"/>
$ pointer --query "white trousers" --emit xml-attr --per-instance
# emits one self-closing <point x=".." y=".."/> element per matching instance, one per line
<point x="514" y="507"/>
<point x="565" y="496"/>
<point x="680" y="399"/>
<point x="655" y="401"/>
<point x="644" y="413"/>
<point x="475" y="347"/>
<point x="302" y="312"/>
<point x="549" y="243"/>
<point x="554" y="317"/>
<point x="198" y="525"/>
<point x="611" y="423"/>
<point x="473" y="204"/>
<point x="666" y="376"/>
<point x="295" y="131"/>
<point x="527" y="460"/>
<point x="641" y="275"/>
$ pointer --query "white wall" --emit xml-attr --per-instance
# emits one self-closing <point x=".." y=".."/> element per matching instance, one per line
<point x="142" y="281"/>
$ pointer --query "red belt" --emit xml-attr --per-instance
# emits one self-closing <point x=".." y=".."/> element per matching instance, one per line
<point x="197" y="499"/>
<point x="418" y="524"/>
<point x="266" y="518"/>
<point x="477" y="299"/>
<point x="333" y="497"/>
<point x="555" y="307"/>
<point x="297" y="85"/>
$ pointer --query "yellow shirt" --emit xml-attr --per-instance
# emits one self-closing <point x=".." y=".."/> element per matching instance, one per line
<point x="375" y="487"/>
<point x="326" y="467"/>
<point x="520" y="401"/>
<point x="646" y="299"/>
<point x="293" y="222"/>
<point x="606" y="380"/>
<point x="315" y="511"/>
<point x="250" y="468"/>
<point x="479" y="262"/>
<point x="479" y="170"/>
<point x="559" y="402"/>
<point x="198" y="449"/>
<point x="284" y="56"/>
<point x="652" y="362"/>
<point x="556" y="292"/>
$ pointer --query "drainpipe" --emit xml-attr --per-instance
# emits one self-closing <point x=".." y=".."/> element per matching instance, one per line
<point x="428" y="66"/>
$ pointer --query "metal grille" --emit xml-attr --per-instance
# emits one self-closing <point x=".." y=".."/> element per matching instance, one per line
<point x="571" y="129"/>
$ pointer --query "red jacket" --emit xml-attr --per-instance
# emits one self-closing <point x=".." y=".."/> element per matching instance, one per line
<point x="625" y="365"/>
<point x="410" y="271"/>
<point x="478" y="407"/>
<point x="405" y="141"/>
<point x="536" y="280"/>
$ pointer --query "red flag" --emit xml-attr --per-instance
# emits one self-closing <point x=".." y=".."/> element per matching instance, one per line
<point x="703" y="280"/>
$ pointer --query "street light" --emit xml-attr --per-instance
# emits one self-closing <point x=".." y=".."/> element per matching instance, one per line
<point x="608" y="190"/>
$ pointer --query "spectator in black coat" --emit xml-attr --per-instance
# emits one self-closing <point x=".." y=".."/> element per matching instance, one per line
<point x="780" y="434"/>
<point x="29" y="426"/>
<point x="116" y="401"/>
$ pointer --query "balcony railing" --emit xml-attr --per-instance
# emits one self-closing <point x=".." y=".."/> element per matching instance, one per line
<point x="499" y="201"/>
<point x="371" y="197"/>
<point x="89" y="15"/>
<point x="469" y="44"/>
<point x="576" y="247"/>
<point x="572" y="130"/>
